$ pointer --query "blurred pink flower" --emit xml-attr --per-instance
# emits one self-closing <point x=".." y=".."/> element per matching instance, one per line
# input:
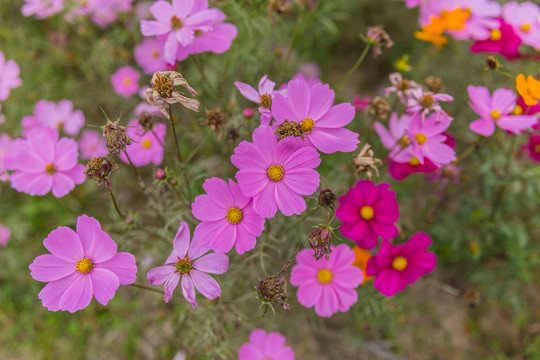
<point x="523" y="17"/>
<point x="263" y="97"/>
<point x="9" y="76"/>
<point x="126" y="81"/>
<point x="276" y="174"/>
<point x="92" y="145"/>
<point x="42" y="9"/>
<point x="394" y="138"/>
<point x="425" y="102"/>
<point x="534" y="147"/>
<point x="149" y="56"/>
<point x="263" y="346"/>
<point x="145" y="107"/>
<point x="248" y="113"/>
<point x="361" y="103"/>
<point x="401" y="87"/>
<point x="367" y="212"/>
<point x="502" y="40"/>
<point x="146" y="147"/>
<point x="60" y="117"/>
<point x="400" y="171"/>
<point x="396" y="266"/>
<point x="329" y="285"/>
<point x="186" y="261"/>
<point x="42" y="162"/>
<point x="5" y="234"/>
<point x="82" y="264"/>
<point x="217" y="41"/>
<point x="5" y="141"/>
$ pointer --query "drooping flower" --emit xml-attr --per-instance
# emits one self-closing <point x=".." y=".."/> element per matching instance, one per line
<point x="5" y="141"/>
<point x="534" y="147"/>
<point x="263" y="346"/>
<point x="42" y="9"/>
<point x="502" y="40"/>
<point x="276" y="174"/>
<point x="9" y="76"/>
<point x="60" y="116"/>
<point x="82" y="264"/>
<point x="263" y="97"/>
<point x="329" y="285"/>
<point x="5" y="234"/>
<point x="187" y="261"/>
<point x="496" y="109"/>
<point x="149" y="56"/>
<point x="147" y="146"/>
<point x="322" y="122"/>
<point x="92" y="145"/>
<point x="396" y="266"/>
<point x="125" y="81"/>
<point x="529" y="89"/>
<point x="42" y="162"/>
<point x="523" y="17"/>
<point x="367" y="212"/>
<point x="227" y="218"/>
<point x="163" y="92"/>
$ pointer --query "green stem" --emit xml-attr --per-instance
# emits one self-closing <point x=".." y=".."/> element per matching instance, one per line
<point x="295" y="34"/>
<point x="356" y="65"/>
<point x="115" y="204"/>
<point x="504" y="73"/>
<point x="147" y="288"/>
<point x="141" y="183"/>
<point x="182" y="165"/>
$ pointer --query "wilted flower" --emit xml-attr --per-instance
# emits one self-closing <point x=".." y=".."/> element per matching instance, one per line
<point x="380" y="108"/>
<point x="274" y="287"/>
<point x="116" y="136"/>
<point x="146" y="121"/>
<point x="378" y="38"/>
<point x="163" y="91"/>
<point x="99" y="169"/>
<point x="434" y="84"/>
<point x="215" y="119"/>
<point x="365" y="161"/>
<point x="327" y="198"/>
<point x="319" y="240"/>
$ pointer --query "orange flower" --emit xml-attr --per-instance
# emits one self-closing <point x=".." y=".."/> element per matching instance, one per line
<point x="529" y="89"/>
<point x="455" y="20"/>
<point x="361" y="259"/>
<point x="433" y="37"/>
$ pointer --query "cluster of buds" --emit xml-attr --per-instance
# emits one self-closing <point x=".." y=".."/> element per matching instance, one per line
<point x="377" y="37"/>
<point x="163" y="92"/>
<point x="289" y="128"/>
<point x="99" y="169"/>
<point x="366" y="162"/>
<point x="319" y="240"/>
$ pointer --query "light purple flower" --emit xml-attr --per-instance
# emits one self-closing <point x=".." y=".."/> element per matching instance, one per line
<point x="425" y="102"/>
<point x="524" y="19"/>
<point x="126" y="81"/>
<point x="276" y="174"/>
<point x="5" y="141"/>
<point x="9" y="76"/>
<point x="218" y="40"/>
<point x="401" y="87"/>
<point x="149" y="56"/>
<point x="227" y="218"/>
<point x="59" y="116"/>
<point x="187" y="261"/>
<point x="42" y="9"/>
<point x="82" y="264"/>
<point x="263" y="97"/>
<point x="263" y="346"/>
<point x="147" y="146"/>
<point x="5" y="234"/>
<point x="92" y="145"/>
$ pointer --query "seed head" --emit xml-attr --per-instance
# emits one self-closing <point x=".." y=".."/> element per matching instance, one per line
<point x="99" y="169"/>
<point x="434" y="84"/>
<point x="116" y="136"/>
<point x="327" y="198"/>
<point x="319" y="240"/>
<point x="380" y="108"/>
<point x="215" y="119"/>
<point x="274" y="288"/>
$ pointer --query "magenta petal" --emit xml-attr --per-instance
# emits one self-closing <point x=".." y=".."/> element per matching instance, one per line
<point x="216" y="235"/>
<point x="249" y="352"/>
<point x="212" y="263"/>
<point x="288" y="201"/>
<point x="384" y="230"/>
<point x="205" y="284"/>
<point x="170" y="285"/>
<point x="105" y="283"/>
<point x="247" y="91"/>
<point x="347" y="297"/>
<point x="50" y="295"/>
<point x="245" y="241"/>
<point x="349" y="277"/>
<point x="483" y="127"/>
<point x="309" y="293"/>
<point x="386" y="210"/>
<point x="205" y="209"/>
<point x="64" y="243"/>
<point x="188" y="289"/>
<point x="219" y="192"/>
<point x="50" y="268"/>
<point x="181" y="240"/>
<point x="77" y="295"/>
<point x="389" y="282"/>
<point x="97" y="244"/>
<point x="123" y="265"/>
<point x="282" y="109"/>
<point x="160" y="274"/>
<point x="265" y="203"/>
<point x="328" y="140"/>
<point x="322" y="99"/>
<point x="337" y="117"/>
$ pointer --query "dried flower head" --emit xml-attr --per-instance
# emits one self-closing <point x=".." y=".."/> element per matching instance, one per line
<point x="327" y="198"/>
<point x="99" y="169"/>
<point x="434" y="84"/>
<point x="377" y="37"/>
<point x="280" y="6"/>
<point x="116" y="136"/>
<point x="273" y="289"/>
<point x="289" y="128"/>
<point x="319" y="240"/>
<point x="365" y="161"/>
<point x="215" y="119"/>
<point x="380" y="108"/>
<point x="232" y="134"/>
<point x="492" y="63"/>
<point x="163" y="91"/>
<point x="147" y="121"/>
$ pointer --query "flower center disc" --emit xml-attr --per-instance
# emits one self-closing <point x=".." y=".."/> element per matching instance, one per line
<point x="495" y="114"/>
<point x="275" y="172"/>
<point x="536" y="148"/>
<point x="414" y="161"/>
<point x="84" y="266"/>
<point x="421" y="138"/>
<point x="518" y="110"/>
<point x="495" y="35"/>
<point x="176" y="23"/>
<point x="307" y="125"/>
<point x="146" y="144"/>
<point x="526" y="27"/>
<point x="367" y="212"/>
<point x="324" y="276"/>
<point x="404" y="141"/>
<point x="399" y="263"/>
<point x="50" y="169"/>
<point x="234" y="215"/>
<point x="183" y="266"/>
<point x="266" y="101"/>
<point x="127" y="81"/>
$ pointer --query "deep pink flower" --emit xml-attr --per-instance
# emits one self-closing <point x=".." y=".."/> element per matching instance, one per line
<point x="125" y="81"/>
<point x="149" y="56"/>
<point x="502" y="40"/>
<point x="322" y="122"/>
<point x="82" y="264"/>
<point x="187" y="261"/>
<point x="248" y="113"/>
<point x="5" y="234"/>
<point x="276" y="174"/>
<point x="42" y="162"/>
<point x="263" y="97"/>
<point x="60" y="116"/>
<point x="5" y="141"/>
<point x="368" y="211"/>
<point x="496" y="109"/>
<point x="523" y="17"/>
<point x="9" y="79"/>
<point x="42" y="9"/>
<point x="92" y="145"/>
<point x="262" y="346"/>
<point x="361" y="103"/>
<point x="400" y="171"/>
<point x="534" y="147"/>
<point x="522" y="108"/>
<point x="146" y="147"/>
<point x="227" y="218"/>
<point x="396" y="266"/>
<point x="329" y="285"/>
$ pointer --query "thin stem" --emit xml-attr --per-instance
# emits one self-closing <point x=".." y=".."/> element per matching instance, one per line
<point x="182" y="165"/>
<point x="295" y="34"/>
<point x="504" y="73"/>
<point x="115" y="204"/>
<point x="141" y="183"/>
<point x="147" y="288"/>
<point x="502" y="188"/>
<point x="356" y="65"/>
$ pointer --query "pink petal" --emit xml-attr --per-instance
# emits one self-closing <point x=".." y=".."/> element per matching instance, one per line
<point x="48" y="268"/>
<point x="328" y="303"/>
<point x="97" y="244"/>
<point x="282" y="109"/>
<point x="77" y="295"/>
<point x="123" y="265"/>
<point x="170" y="285"/>
<point x="245" y="241"/>
<point x="329" y="141"/>
<point x="265" y="203"/>
<point x="204" y="208"/>
<point x="212" y="263"/>
<point x="66" y="154"/>
<point x="322" y="99"/>
<point x="152" y="28"/>
<point x="104" y="283"/>
<point x="503" y="100"/>
<point x="249" y="352"/>
<point x="160" y="274"/>
<point x="181" y="240"/>
<point x="171" y="46"/>
<point x="188" y="289"/>
<point x="215" y="235"/>
<point x="65" y="244"/>
<point x="481" y="98"/>
<point x="384" y="230"/>
<point x="288" y="201"/>
<point x="337" y="117"/>
<point x="219" y="192"/>
<point x="61" y="185"/>
<point x="299" y="95"/>
<point x="516" y="123"/>
<point x="205" y="284"/>
<point x="247" y="91"/>
<point x="50" y="295"/>
<point x="161" y="11"/>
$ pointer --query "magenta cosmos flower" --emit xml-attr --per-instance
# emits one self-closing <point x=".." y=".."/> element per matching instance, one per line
<point x="5" y="141"/>
<point x="149" y="56"/>
<point x="9" y="76"/>
<point x="523" y="18"/>
<point x="42" y="163"/>
<point x="81" y="264"/>
<point x="186" y="261"/>
<point x="92" y="145"/>
<point x="329" y="285"/>
<point x="42" y="9"/>
<point x="60" y="116"/>
<point x="322" y="123"/>
<point x="276" y="174"/>
<point x="263" y="346"/>
<point x="396" y="266"/>
<point x="227" y="218"/>
<point x="125" y="81"/>
<point x="5" y="234"/>
<point x="534" y="147"/>
<point x="263" y="97"/>
<point x="502" y="40"/>
<point x="368" y="211"/>
<point x="496" y="109"/>
<point x="147" y="147"/>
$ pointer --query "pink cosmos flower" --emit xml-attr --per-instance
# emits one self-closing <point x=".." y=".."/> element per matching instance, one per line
<point x="61" y="117"/>
<point x="42" y="162"/>
<point x="187" y="261"/>
<point x="523" y="17"/>
<point x="5" y="234"/>
<point x="424" y="102"/>
<point x="401" y="87"/>
<point x="400" y="171"/>
<point x="9" y="76"/>
<point x="263" y="97"/>
<point x="361" y="103"/>
<point x="263" y="346"/>
<point x="522" y="108"/>
<point x="145" y="107"/>
<point x="496" y="109"/>
<point x="5" y="141"/>
<point x="276" y="174"/>
<point x="149" y="56"/>
<point x="82" y="264"/>
<point x="92" y="145"/>
<point x="322" y="122"/>
<point x="146" y="147"/>
<point x="42" y="9"/>
<point x="227" y="218"/>
<point x="534" y="147"/>
<point x="394" y="138"/>
<point x="396" y="266"/>
<point x="126" y="81"/>
<point x="329" y="285"/>
<point x="502" y="40"/>
<point x="217" y="41"/>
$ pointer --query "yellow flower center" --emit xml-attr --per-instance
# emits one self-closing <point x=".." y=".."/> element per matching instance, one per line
<point x="420" y="138"/>
<point x="414" y="161"/>
<point x="275" y="172"/>
<point x="536" y="148"/>
<point x="518" y="110"/>
<point x="495" y="34"/>
<point x="367" y="212"/>
<point x="404" y="141"/>
<point x="525" y="27"/>
<point x="399" y="263"/>
<point x="183" y="266"/>
<point x="307" y="125"/>
<point x="234" y="215"/>
<point x="198" y="33"/>
<point x="426" y="101"/>
<point x="146" y="143"/>
<point x="50" y="169"/>
<point x="495" y="114"/>
<point x="266" y="101"/>
<point x="84" y="266"/>
<point x="324" y="276"/>
<point x="176" y="23"/>
<point x="156" y="54"/>
<point x="127" y="81"/>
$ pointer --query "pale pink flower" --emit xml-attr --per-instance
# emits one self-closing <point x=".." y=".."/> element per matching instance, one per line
<point x="425" y="102"/>
<point x="262" y="97"/>
<point x="5" y="141"/>
<point x="126" y="81"/>
<point x="59" y="116"/>
<point x="92" y="145"/>
<point x="401" y="87"/>
<point x="5" y="234"/>
<point x="524" y="19"/>
<point x="263" y="346"/>
<point x="394" y="138"/>
<point x="9" y="76"/>
<point x="42" y="9"/>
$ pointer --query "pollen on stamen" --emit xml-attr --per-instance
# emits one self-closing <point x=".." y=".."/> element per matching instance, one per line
<point x="414" y="161"/>
<point x="50" y="169"/>
<point x="184" y="265"/>
<point x="495" y="35"/>
<point x="176" y="23"/>
<point x="275" y="172"/>
<point x="399" y="263"/>
<point x="147" y="144"/>
<point x="324" y="276"/>
<point x="307" y="125"/>
<point x="420" y="138"/>
<point x="266" y="101"/>
<point x="84" y="266"/>
<point x="495" y="114"/>
<point x="234" y="215"/>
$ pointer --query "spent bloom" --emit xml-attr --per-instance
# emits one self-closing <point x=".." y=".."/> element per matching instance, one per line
<point x="92" y="145"/>
<point x="367" y="212"/>
<point x="328" y="285"/>
<point x="125" y="81"/>
<point x="147" y="146"/>
<point x="81" y="264"/>
<point x="227" y="218"/>
<point x="149" y="56"/>
<point x="263" y="346"/>
<point x="189" y="262"/>
<point x="9" y="76"/>
<point x="396" y="266"/>
<point x="60" y="116"/>
<point x="377" y="37"/>
<point x="276" y="174"/>
<point x="523" y="17"/>
<point x="163" y="91"/>
<point x="528" y="88"/>
<point x="99" y="169"/>
<point x="322" y="122"/>
<point x="5" y="234"/>
<point x="42" y="9"/>
<point x="117" y="137"/>
<point x="263" y="96"/>
<point x="5" y="141"/>
<point x="43" y="162"/>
